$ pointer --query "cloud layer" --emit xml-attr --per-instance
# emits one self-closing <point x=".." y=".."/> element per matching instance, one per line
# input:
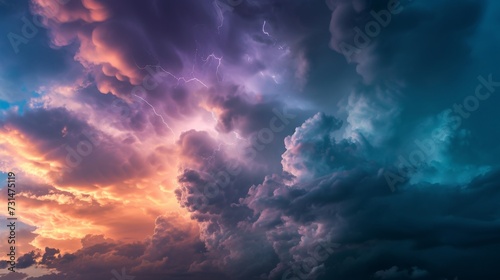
<point x="252" y="139"/>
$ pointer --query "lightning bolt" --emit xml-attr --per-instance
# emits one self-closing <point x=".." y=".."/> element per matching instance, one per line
<point x="154" y="110"/>
<point x="264" y="29"/>
<point x="219" y="59"/>
<point x="211" y="158"/>
<point x="273" y="40"/>
<point x="214" y="117"/>
<point x="194" y="79"/>
<point x="273" y="77"/>
<point x="239" y="136"/>
<point x="220" y="14"/>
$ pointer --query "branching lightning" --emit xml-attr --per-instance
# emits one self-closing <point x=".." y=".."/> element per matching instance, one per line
<point x="185" y="80"/>
<point x="156" y="113"/>
<point x="219" y="59"/>
<point x="211" y="158"/>
<point x="238" y="136"/>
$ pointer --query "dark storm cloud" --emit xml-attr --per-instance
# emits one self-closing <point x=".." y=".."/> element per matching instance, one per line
<point x="123" y="44"/>
<point x="430" y="52"/>
<point x="432" y="227"/>
<point x="428" y="58"/>
<point x="152" y="33"/>
<point x="169" y="253"/>
<point x="208" y="172"/>
<point x="262" y="123"/>
<point x="239" y="113"/>
<point x="272" y="203"/>
<point x="27" y="260"/>
<point x="211" y="188"/>
<point x="258" y="219"/>
<point x="49" y="255"/>
<point x="319" y="154"/>
<point x="376" y="230"/>
<point x="434" y="46"/>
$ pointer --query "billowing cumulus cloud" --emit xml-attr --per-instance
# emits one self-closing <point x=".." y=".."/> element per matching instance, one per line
<point x="273" y="139"/>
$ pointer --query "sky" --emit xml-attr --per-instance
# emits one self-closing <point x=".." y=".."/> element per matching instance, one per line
<point x="251" y="139"/>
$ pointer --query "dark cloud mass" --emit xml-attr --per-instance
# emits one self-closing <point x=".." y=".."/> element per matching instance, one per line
<point x="252" y="139"/>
